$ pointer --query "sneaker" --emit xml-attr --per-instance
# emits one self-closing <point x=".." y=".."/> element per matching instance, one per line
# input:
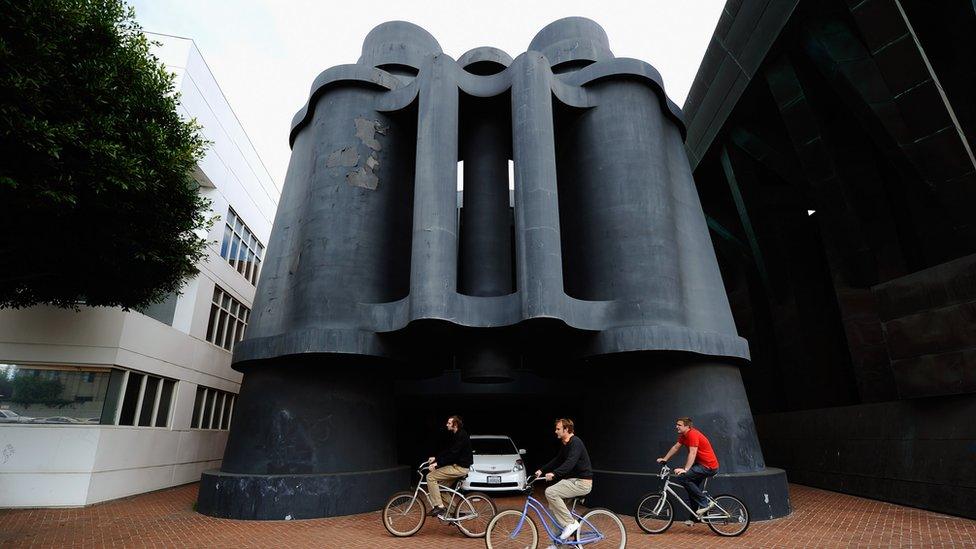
<point x="701" y="512"/>
<point x="436" y="512"/>
<point x="568" y="530"/>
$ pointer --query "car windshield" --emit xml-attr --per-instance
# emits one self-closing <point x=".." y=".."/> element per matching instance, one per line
<point x="493" y="446"/>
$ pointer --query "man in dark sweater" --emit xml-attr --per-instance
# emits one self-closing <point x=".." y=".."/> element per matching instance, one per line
<point x="452" y="463"/>
<point x="572" y="467"/>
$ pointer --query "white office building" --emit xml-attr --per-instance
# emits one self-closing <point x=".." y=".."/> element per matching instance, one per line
<point x="104" y="403"/>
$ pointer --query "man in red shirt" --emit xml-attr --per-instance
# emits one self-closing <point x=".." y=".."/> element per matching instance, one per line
<point x="701" y="464"/>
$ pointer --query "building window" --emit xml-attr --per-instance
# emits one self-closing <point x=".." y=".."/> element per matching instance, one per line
<point x="212" y="409"/>
<point x="228" y="318"/>
<point x="83" y="395"/>
<point x="241" y="248"/>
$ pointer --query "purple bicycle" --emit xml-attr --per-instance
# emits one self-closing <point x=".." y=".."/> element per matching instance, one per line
<point x="516" y="529"/>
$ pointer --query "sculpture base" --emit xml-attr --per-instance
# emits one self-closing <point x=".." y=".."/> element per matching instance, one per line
<point x="765" y="493"/>
<point x="287" y="497"/>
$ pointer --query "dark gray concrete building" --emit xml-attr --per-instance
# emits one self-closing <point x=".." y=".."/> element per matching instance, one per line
<point x="389" y="302"/>
<point x="832" y="145"/>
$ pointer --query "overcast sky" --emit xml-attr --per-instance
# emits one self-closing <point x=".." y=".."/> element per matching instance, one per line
<point x="265" y="53"/>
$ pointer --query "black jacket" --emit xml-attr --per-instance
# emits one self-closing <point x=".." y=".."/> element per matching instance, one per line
<point x="458" y="451"/>
<point x="572" y="461"/>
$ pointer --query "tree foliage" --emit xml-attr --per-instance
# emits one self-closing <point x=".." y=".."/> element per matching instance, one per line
<point x="97" y="201"/>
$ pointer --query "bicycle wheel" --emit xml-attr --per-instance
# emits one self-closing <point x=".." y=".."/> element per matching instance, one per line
<point x="654" y="516"/>
<point x="480" y="508"/>
<point x="602" y="528"/>
<point x="501" y="532"/>
<point x="730" y="517"/>
<point x="403" y="516"/>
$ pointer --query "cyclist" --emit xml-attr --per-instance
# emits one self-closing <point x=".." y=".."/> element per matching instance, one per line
<point x="452" y="463"/>
<point x="700" y="465"/>
<point x="572" y="466"/>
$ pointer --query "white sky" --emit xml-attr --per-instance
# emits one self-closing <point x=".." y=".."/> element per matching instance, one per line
<point x="265" y="53"/>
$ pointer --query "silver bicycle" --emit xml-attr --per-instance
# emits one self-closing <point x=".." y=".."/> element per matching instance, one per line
<point x="728" y="517"/>
<point x="405" y="512"/>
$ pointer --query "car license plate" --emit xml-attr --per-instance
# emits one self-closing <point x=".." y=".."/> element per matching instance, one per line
<point x="494" y="479"/>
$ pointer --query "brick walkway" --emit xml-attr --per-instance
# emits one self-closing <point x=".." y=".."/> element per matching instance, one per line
<point x="166" y="519"/>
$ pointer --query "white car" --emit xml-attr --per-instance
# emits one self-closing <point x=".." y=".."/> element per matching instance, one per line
<point x="497" y="466"/>
<point x="10" y="416"/>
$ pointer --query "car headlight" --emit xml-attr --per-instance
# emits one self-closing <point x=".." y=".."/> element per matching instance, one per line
<point x="518" y="465"/>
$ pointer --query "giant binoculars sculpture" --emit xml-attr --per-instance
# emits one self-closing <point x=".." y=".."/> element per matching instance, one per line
<point x="598" y="263"/>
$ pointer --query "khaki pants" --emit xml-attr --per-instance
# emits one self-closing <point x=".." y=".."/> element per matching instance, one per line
<point x="558" y="493"/>
<point x="441" y="474"/>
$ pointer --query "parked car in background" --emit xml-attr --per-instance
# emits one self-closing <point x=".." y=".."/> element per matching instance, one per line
<point x="10" y="416"/>
<point x="497" y="466"/>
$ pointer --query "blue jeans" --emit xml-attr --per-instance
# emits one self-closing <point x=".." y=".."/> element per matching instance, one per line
<point x="692" y="481"/>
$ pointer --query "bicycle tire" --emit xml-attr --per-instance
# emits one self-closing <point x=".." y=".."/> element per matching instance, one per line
<point x="606" y="523"/>
<point x="738" y="519"/>
<point x="413" y="523"/>
<point x="479" y="504"/>
<point x="498" y="534"/>
<point x="650" y="522"/>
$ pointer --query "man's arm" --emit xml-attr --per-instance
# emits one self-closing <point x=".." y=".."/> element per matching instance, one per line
<point x="552" y="463"/>
<point x="692" y="452"/>
<point x="674" y="449"/>
<point x="572" y="456"/>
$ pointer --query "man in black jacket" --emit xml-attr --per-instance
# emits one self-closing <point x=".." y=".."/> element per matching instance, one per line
<point x="450" y="464"/>
<point x="572" y="467"/>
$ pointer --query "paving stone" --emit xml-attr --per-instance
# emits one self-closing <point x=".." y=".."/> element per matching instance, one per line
<point x="166" y="518"/>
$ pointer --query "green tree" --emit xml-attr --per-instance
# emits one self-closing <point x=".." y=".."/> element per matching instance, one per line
<point x="97" y="201"/>
<point x="29" y="389"/>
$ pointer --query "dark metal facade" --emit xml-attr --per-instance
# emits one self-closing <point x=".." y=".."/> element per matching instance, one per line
<point x="832" y="143"/>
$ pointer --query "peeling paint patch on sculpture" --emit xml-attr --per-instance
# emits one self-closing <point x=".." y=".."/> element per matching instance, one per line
<point x="346" y="156"/>
<point x="8" y="451"/>
<point x="366" y="176"/>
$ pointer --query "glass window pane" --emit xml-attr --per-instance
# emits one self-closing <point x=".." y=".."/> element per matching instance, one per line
<point x="225" y="419"/>
<point x="208" y="409"/>
<point x="148" y="401"/>
<point x="234" y="249"/>
<point x="214" y="311"/>
<point x="229" y="336"/>
<point x="256" y="273"/>
<point x="225" y="301"/>
<point x="225" y="243"/>
<point x="240" y="330"/>
<point x="162" y="413"/>
<point x="198" y="407"/>
<point x="130" y="399"/>
<point x="51" y="394"/>
<point x="113" y="397"/>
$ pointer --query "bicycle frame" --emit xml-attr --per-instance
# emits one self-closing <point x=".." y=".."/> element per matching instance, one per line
<point x="666" y="490"/>
<point x="555" y="530"/>
<point x="454" y="496"/>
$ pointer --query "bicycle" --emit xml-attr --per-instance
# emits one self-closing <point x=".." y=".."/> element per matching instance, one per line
<point x="512" y="528"/>
<point x="405" y="512"/>
<point x="729" y="517"/>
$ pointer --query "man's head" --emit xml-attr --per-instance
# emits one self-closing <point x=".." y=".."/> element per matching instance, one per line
<point x="683" y="425"/>
<point x="454" y="423"/>
<point x="564" y="429"/>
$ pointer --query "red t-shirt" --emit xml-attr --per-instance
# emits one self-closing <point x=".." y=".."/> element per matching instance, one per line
<point x="695" y="439"/>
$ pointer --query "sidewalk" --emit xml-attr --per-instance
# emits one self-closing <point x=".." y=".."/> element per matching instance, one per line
<point x="166" y="519"/>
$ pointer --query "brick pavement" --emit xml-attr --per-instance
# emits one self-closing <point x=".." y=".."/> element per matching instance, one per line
<point x="166" y="519"/>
